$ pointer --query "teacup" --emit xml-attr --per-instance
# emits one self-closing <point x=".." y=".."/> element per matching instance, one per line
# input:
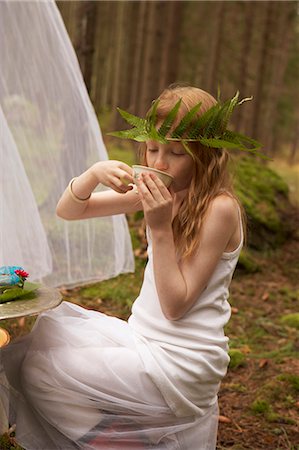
<point x="165" y="177"/>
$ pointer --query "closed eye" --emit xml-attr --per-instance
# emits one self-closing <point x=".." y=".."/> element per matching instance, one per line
<point x="178" y="153"/>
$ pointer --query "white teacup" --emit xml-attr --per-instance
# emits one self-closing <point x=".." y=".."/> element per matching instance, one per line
<point x="165" y="177"/>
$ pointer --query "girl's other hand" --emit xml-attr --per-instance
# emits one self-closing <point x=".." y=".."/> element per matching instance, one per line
<point x="114" y="174"/>
<point x="157" y="202"/>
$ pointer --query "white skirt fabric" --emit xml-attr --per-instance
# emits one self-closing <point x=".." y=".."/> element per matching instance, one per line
<point x="77" y="381"/>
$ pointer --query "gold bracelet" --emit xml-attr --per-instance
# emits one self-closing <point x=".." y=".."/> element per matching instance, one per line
<point x="73" y="195"/>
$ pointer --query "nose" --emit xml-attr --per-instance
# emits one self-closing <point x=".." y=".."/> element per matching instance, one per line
<point x="161" y="163"/>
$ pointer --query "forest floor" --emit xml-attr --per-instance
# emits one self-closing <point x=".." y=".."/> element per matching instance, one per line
<point x="259" y="397"/>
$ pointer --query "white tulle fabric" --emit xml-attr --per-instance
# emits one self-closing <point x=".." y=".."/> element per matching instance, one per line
<point x="78" y="382"/>
<point x="22" y="235"/>
<point x="49" y="124"/>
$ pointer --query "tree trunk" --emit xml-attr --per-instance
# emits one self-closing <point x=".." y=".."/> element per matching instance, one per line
<point x="245" y="59"/>
<point x="101" y="60"/>
<point x="84" y="44"/>
<point x="191" y="67"/>
<point x="266" y="48"/>
<point x="125" y="56"/>
<point x="280" y="57"/>
<point x="216" y="36"/>
<point x="119" y="54"/>
<point x="132" y="35"/>
<point x="68" y="11"/>
<point x="138" y="63"/>
<point x="109" y="80"/>
<point x="171" y="46"/>
<point x="155" y="31"/>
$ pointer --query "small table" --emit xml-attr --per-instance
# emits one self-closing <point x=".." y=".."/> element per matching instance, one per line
<point x="45" y="298"/>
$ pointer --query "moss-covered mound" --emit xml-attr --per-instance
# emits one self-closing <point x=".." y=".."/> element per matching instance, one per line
<point x="265" y="196"/>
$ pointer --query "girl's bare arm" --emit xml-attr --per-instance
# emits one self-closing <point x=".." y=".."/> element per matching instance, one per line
<point x="180" y="285"/>
<point x="120" y="199"/>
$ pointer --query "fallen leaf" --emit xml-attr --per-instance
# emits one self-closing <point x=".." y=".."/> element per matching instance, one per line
<point x="265" y="296"/>
<point x="245" y="349"/>
<point x="263" y="363"/>
<point x="234" y="310"/>
<point x="224" y="419"/>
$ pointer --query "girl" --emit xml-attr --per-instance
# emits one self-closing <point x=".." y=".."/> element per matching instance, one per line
<point x="85" y="380"/>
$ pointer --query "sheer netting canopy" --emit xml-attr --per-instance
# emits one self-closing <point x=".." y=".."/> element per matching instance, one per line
<point x="49" y="134"/>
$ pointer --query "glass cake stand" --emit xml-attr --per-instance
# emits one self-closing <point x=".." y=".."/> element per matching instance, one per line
<point x="45" y="298"/>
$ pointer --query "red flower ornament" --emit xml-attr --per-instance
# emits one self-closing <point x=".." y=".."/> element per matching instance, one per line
<point x="22" y="275"/>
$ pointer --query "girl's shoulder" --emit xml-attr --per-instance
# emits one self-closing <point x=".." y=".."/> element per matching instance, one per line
<point x="225" y="205"/>
<point x="226" y="217"/>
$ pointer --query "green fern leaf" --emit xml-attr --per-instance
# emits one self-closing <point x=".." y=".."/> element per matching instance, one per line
<point x="152" y="115"/>
<point x="201" y="123"/>
<point x="127" y="134"/>
<point x="154" y="135"/>
<point x="185" y="122"/>
<point x="169" y="119"/>
<point x="232" y="140"/>
<point x="214" y="126"/>
<point x="228" y="108"/>
<point x="242" y="140"/>
<point x="210" y="128"/>
<point x="218" y="143"/>
<point x="131" y="119"/>
<point x="141" y="138"/>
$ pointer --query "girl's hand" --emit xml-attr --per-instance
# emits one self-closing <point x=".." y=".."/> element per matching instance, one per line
<point x="114" y="174"/>
<point x="157" y="201"/>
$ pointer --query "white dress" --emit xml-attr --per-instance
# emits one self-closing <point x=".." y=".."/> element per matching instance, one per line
<point x="84" y="380"/>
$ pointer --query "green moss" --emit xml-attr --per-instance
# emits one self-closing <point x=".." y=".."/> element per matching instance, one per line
<point x="273" y="417"/>
<point x="291" y="174"/>
<point x="291" y="320"/>
<point x="291" y="379"/>
<point x="260" y="406"/>
<point x="288" y="295"/>
<point x="276" y="393"/>
<point x="289" y="401"/>
<point x="247" y="262"/>
<point x="264" y="195"/>
<point x="237" y="358"/>
<point x="273" y="390"/>
<point x="237" y="387"/>
<point x="258" y="179"/>
<point x="288" y="350"/>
